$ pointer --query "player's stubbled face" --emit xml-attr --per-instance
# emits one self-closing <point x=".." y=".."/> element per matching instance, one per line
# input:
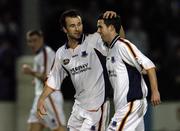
<point x="103" y="30"/>
<point x="74" y="27"/>
<point x="34" y="42"/>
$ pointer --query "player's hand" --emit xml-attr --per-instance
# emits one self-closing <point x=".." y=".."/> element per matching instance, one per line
<point x="109" y="14"/>
<point x="41" y="111"/>
<point x="26" y="69"/>
<point x="155" y="98"/>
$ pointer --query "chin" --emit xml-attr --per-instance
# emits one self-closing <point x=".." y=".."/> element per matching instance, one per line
<point x="104" y="40"/>
<point x="79" y="37"/>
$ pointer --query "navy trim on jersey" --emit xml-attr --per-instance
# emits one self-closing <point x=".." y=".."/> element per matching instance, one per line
<point x="81" y="39"/>
<point x="114" y="41"/>
<point x="108" y="86"/>
<point x="66" y="70"/>
<point x="135" y="90"/>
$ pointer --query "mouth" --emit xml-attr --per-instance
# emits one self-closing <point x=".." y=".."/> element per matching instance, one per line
<point x="77" y="35"/>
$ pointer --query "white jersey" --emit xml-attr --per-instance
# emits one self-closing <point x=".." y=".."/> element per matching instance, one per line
<point x="85" y="70"/>
<point x="42" y="63"/>
<point x="125" y="64"/>
<point x="55" y="117"/>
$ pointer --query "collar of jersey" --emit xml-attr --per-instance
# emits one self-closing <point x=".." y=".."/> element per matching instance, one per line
<point x="114" y="41"/>
<point x="40" y="49"/>
<point x="81" y="39"/>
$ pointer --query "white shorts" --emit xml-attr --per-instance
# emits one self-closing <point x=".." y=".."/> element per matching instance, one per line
<point x="55" y="114"/>
<point x="129" y="117"/>
<point x="83" y="120"/>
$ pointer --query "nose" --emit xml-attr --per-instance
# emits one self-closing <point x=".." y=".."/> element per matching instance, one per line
<point x="77" y="28"/>
<point x="98" y="30"/>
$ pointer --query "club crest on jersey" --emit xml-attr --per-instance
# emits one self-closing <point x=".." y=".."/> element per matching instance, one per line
<point x="113" y="59"/>
<point x="112" y="73"/>
<point x="93" y="128"/>
<point x="66" y="61"/>
<point x="84" y="54"/>
<point x="53" y="122"/>
<point x="114" y="124"/>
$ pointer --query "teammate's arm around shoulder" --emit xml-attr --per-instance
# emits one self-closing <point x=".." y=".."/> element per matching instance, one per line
<point x="155" y="95"/>
<point x="122" y="33"/>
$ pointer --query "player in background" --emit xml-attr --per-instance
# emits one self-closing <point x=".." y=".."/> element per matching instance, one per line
<point x="125" y="65"/>
<point x="43" y="61"/>
<point x="79" y="58"/>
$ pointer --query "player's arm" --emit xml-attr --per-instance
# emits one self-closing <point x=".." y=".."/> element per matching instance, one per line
<point x="41" y="76"/>
<point x="41" y="111"/>
<point x="155" y="95"/>
<point x="29" y="71"/>
<point x="132" y="55"/>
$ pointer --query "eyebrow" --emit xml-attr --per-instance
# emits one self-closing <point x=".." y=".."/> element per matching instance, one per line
<point x="75" y="24"/>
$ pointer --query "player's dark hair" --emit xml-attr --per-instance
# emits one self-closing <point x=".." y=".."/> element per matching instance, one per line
<point x="35" y="32"/>
<point x="68" y="13"/>
<point x="115" y="21"/>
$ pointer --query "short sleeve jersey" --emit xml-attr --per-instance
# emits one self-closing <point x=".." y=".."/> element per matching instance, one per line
<point x="43" y="61"/>
<point x="85" y="69"/>
<point x="125" y="64"/>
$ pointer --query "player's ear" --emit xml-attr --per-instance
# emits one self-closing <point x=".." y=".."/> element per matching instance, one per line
<point x="64" y="29"/>
<point x="111" y="27"/>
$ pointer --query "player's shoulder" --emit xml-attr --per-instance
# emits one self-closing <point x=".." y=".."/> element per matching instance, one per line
<point x="61" y="49"/>
<point x="122" y="42"/>
<point x="126" y="45"/>
<point x="49" y="49"/>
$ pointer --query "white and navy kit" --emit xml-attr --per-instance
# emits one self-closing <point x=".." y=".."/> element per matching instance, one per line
<point x="42" y="63"/>
<point x="86" y="72"/>
<point x="54" y="103"/>
<point x="125" y="64"/>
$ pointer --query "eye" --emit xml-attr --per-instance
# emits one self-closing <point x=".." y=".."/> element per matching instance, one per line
<point x="79" y="24"/>
<point x="72" y="26"/>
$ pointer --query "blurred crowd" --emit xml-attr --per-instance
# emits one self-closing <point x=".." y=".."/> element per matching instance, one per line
<point x="9" y="44"/>
<point x="152" y="25"/>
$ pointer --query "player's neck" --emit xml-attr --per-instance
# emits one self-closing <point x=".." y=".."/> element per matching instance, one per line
<point x="73" y="43"/>
<point x="111" y="38"/>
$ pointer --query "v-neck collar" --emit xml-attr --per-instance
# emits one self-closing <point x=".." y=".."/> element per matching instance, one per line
<point x="114" y="41"/>
<point x="81" y="39"/>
